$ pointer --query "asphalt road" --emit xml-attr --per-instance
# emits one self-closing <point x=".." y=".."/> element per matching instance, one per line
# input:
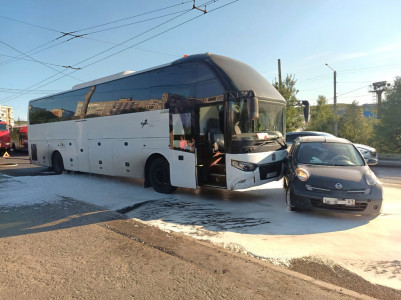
<point x="77" y="250"/>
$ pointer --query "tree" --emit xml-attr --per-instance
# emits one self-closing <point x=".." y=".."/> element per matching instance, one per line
<point x="294" y="119"/>
<point x="388" y="129"/>
<point x="353" y="126"/>
<point x="322" y="117"/>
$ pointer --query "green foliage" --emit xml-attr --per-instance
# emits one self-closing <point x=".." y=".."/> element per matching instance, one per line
<point x="322" y="117"/>
<point x="294" y="115"/>
<point x="388" y="129"/>
<point x="354" y="126"/>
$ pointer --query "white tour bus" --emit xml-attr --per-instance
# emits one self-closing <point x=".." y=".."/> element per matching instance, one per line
<point x="202" y="120"/>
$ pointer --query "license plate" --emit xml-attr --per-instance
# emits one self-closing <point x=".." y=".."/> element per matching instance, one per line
<point x="271" y="174"/>
<point x="334" y="201"/>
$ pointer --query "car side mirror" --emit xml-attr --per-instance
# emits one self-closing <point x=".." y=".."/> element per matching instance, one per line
<point x="371" y="161"/>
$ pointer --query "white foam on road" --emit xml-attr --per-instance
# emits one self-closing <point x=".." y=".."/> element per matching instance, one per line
<point x="253" y="221"/>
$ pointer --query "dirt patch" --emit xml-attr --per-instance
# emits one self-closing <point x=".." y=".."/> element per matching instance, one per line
<point x="337" y="275"/>
<point x="248" y="272"/>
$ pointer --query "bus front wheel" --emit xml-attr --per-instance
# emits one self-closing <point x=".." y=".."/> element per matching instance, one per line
<point x="57" y="163"/>
<point x="159" y="176"/>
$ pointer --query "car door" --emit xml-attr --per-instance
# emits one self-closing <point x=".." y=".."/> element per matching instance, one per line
<point x="290" y="169"/>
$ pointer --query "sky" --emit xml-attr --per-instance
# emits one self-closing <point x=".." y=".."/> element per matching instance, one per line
<point x="39" y="54"/>
<point x="253" y="221"/>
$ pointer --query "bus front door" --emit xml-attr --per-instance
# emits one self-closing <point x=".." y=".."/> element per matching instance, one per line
<point x="182" y="150"/>
<point x="210" y="145"/>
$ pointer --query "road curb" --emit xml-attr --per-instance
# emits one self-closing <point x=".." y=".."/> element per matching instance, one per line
<point x="288" y="272"/>
<point x="320" y="283"/>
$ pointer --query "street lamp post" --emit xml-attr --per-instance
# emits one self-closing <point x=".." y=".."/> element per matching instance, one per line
<point x="335" y="99"/>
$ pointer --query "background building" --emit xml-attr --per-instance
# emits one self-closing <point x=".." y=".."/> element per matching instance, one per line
<point x="7" y="115"/>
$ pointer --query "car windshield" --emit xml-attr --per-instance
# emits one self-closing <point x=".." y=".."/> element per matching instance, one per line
<point x="3" y="127"/>
<point x="323" y="153"/>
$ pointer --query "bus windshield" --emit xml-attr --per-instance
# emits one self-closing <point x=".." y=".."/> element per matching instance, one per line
<point x="3" y="127"/>
<point x="270" y="121"/>
<point x="262" y="134"/>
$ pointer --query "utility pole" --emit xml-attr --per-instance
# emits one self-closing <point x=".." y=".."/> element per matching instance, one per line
<point x="335" y="99"/>
<point x="279" y="75"/>
<point x="378" y="88"/>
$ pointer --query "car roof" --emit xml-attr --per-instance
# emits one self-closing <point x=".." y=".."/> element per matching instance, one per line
<point x="309" y="133"/>
<point x="322" y="139"/>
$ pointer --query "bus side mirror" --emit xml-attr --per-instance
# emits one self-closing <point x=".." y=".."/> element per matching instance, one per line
<point x="253" y="108"/>
<point x="305" y="104"/>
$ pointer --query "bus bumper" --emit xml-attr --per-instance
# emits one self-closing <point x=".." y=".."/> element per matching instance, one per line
<point x="239" y="179"/>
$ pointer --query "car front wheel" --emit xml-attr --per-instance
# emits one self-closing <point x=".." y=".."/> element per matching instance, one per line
<point x="288" y="199"/>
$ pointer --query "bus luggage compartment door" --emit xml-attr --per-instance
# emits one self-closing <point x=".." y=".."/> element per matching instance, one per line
<point x="182" y="169"/>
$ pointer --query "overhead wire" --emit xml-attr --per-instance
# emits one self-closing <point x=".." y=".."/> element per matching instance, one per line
<point x="146" y="31"/>
<point x="30" y="52"/>
<point x="152" y="37"/>
<point x="42" y="92"/>
<point x="340" y="95"/>
<point x="47" y="66"/>
<point x="133" y="23"/>
<point x="75" y="36"/>
<point x="64" y="75"/>
<point x="29" y="59"/>
<point x="34" y="25"/>
<point x="135" y="16"/>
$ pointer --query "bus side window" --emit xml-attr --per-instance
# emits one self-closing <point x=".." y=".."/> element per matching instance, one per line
<point x="183" y="132"/>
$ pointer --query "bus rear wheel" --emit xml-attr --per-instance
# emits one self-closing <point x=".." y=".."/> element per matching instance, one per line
<point x="159" y="176"/>
<point x="57" y="163"/>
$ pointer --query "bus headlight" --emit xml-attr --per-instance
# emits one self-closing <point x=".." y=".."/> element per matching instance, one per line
<point x="244" y="166"/>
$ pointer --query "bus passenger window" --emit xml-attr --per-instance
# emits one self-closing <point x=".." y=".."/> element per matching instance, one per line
<point x="183" y="133"/>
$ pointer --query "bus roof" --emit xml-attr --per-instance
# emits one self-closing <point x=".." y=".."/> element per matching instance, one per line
<point x="102" y="79"/>
<point x="229" y="70"/>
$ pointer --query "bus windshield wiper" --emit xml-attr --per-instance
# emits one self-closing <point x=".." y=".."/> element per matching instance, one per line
<point x="281" y="142"/>
<point x="265" y="143"/>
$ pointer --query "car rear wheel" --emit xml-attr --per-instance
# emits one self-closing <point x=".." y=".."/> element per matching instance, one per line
<point x="288" y="199"/>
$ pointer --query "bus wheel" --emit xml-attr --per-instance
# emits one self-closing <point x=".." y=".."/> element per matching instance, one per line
<point x="159" y="176"/>
<point x="57" y="163"/>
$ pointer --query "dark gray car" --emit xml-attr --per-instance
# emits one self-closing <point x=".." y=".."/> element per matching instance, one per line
<point x="369" y="153"/>
<point x="329" y="173"/>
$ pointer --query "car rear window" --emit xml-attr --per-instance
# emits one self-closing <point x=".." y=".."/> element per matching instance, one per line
<point x="291" y="137"/>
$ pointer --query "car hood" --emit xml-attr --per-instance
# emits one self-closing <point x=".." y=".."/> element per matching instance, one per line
<point x="365" y="147"/>
<point x="350" y="178"/>
<point x="3" y="133"/>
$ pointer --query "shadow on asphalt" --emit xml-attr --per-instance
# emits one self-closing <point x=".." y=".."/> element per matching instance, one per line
<point x="19" y="165"/>
<point x="65" y="213"/>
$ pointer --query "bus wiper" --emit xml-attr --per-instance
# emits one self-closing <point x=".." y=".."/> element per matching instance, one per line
<point x="281" y="142"/>
<point x="265" y="143"/>
<point x="277" y="139"/>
